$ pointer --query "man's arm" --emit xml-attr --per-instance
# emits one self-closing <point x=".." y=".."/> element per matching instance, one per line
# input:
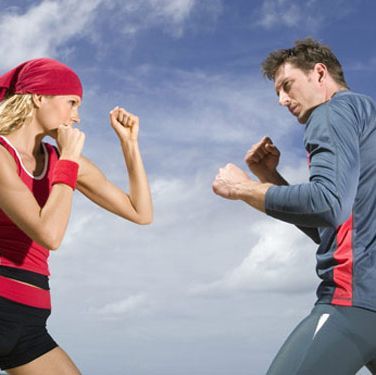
<point x="332" y="140"/>
<point x="233" y="183"/>
<point x="262" y="159"/>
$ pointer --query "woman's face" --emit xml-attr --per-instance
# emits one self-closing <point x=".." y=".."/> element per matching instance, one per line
<point x="57" y="110"/>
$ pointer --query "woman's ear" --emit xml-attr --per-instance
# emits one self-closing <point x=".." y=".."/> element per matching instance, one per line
<point x="37" y="100"/>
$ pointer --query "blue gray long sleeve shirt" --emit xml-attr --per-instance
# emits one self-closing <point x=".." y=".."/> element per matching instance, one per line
<point x="339" y="199"/>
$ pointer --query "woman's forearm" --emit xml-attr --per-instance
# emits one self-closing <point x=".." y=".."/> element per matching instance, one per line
<point x="139" y="189"/>
<point x="54" y="216"/>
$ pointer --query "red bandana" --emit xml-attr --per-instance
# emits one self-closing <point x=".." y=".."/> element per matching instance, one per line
<point x="41" y="76"/>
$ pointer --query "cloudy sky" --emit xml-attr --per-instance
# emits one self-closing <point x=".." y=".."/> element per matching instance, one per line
<point x="212" y="286"/>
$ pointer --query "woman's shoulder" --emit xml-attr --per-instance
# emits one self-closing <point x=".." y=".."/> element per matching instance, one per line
<point x="7" y="161"/>
<point x="8" y="154"/>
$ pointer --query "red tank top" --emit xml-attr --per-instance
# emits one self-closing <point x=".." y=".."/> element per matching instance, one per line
<point x="16" y="248"/>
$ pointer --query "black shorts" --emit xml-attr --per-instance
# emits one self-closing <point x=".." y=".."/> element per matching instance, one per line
<point x="23" y="334"/>
<point x="332" y="340"/>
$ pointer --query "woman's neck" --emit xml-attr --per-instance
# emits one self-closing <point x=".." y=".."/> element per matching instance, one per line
<point x="27" y="139"/>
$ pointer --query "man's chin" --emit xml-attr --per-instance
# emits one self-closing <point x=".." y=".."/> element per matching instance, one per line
<point x="304" y="116"/>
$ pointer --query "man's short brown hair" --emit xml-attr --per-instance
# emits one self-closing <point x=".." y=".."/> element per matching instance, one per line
<point x="304" y="55"/>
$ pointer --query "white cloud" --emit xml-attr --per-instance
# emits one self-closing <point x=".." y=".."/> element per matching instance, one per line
<point x="176" y="10"/>
<point x="296" y="173"/>
<point x="138" y="15"/>
<point x="171" y="16"/>
<point x="170" y="193"/>
<point x="279" y="12"/>
<point x="307" y="15"/>
<point x="365" y="65"/>
<point x="43" y="29"/>
<point x="200" y="107"/>
<point x="282" y="260"/>
<point x="123" y="307"/>
<point x="46" y="28"/>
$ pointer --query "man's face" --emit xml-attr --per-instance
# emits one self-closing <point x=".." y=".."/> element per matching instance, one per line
<point x="300" y="92"/>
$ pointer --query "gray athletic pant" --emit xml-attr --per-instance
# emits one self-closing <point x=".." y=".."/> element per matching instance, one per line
<point x="332" y="340"/>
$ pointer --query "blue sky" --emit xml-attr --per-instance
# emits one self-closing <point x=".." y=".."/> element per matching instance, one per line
<point x="211" y="287"/>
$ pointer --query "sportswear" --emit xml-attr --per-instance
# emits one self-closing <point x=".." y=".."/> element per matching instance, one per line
<point x="23" y="334"/>
<point x="17" y="250"/>
<point x="42" y="76"/>
<point x="339" y="200"/>
<point x="331" y="340"/>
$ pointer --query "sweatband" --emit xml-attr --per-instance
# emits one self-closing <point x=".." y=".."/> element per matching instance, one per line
<point x="42" y="76"/>
<point x="65" y="172"/>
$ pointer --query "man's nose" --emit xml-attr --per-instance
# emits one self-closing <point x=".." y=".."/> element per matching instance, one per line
<point x="283" y="98"/>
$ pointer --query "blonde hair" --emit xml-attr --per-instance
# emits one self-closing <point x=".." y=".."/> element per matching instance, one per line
<point x="14" y="111"/>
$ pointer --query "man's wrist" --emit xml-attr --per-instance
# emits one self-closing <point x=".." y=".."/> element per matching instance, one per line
<point x="274" y="178"/>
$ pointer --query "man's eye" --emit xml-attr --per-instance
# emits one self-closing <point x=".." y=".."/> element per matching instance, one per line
<point x="287" y="86"/>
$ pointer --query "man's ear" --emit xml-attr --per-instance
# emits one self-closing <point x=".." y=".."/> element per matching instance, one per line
<point x="322" y="71"/>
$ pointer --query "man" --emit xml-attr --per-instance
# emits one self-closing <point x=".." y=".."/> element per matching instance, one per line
<point x="336" y="208"/>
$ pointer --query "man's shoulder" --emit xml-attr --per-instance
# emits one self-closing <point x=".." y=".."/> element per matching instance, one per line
<point x="344" y="103"/>
<point x="349" y="97"/>
<point x="345" y="110"/>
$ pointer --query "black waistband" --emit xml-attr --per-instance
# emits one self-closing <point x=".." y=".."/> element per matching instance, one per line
<point x="33" y="278"/>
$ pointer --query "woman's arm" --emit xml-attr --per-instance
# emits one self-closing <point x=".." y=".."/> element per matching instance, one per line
<point x="45" y="225"/>
<point x="136" y="205"/>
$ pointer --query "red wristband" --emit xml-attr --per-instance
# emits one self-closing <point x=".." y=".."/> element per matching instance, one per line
<point x="65" y="172"/>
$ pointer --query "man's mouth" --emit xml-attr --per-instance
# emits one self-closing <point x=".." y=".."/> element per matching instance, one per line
<point x="294" y="110"/>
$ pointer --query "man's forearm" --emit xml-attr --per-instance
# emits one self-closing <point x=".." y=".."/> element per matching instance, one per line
<point x="253" y="193"/>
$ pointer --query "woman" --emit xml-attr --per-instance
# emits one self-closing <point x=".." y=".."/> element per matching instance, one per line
<point x="41" y="97"/>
